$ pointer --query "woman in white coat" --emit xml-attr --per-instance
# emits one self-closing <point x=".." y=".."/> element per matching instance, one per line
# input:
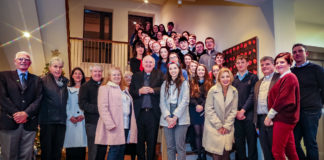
<point x="175" y="119"/>
<point x="75" y="141"/>
<point x="220" y="112"/>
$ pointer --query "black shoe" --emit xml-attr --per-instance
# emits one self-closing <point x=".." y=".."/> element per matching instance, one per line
<point x="199" y="157"/>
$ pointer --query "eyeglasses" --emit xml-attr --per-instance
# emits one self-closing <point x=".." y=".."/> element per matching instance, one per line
<point x="22" y="59"/>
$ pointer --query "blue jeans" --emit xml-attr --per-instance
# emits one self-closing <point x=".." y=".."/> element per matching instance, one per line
<point x="306" y="128"/>
<point x="117" y="152"/>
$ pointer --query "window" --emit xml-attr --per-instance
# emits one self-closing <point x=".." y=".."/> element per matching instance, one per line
<point x="97" y="29"/>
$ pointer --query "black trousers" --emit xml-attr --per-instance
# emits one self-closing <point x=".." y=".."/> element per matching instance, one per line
<point x="51" y="141"/>
<point x="265" y="137"/>
<point x="148" y="126"/>
<point x="245" y="132"/>
<point x="75" y="153"/>
<point x="95" y="151"/>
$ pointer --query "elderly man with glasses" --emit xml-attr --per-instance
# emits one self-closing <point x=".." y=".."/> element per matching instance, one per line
<point x="20" y="96"/>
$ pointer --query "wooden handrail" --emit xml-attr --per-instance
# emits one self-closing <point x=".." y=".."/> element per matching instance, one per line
<point x="98" y="40"/>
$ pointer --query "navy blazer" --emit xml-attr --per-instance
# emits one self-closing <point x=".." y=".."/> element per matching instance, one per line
<point x="156" y="80"/>
<point x="13" y="98"/>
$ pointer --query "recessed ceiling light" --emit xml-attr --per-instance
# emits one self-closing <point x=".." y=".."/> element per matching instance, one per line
<point x="146" y="1"/>
<point x="26" y="34"/>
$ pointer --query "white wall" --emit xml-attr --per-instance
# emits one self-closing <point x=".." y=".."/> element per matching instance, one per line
<point x="4" y="64"/>
<point x="310" y="34"/>
<point x="52" y="18"/>
<point x="120" y="10"/>
<point x="229" y="25"/>
<point x="284" y="25"/>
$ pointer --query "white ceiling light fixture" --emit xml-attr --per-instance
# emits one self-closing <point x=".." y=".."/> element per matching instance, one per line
<point x="26" y="34"/>
<point x="146" y="1"/>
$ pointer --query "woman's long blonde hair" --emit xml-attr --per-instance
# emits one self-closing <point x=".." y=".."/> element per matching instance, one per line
<point x="107" y="78"/>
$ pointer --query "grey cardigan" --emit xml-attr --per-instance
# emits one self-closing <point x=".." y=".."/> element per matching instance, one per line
<point x="182" y="110"/>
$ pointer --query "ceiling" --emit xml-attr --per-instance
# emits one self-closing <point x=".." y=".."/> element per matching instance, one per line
<point x="196" y="2"/>
<point x="309" y="11"/>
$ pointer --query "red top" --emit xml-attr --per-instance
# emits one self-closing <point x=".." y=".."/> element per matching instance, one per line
<point x="284" y="98"/>
<point x="141" y="65"/>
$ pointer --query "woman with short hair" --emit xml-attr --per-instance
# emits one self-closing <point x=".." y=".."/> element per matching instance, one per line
<point x="284" y="107"/>
<point x="52" y="115"/>
<point x="220" y="112"/>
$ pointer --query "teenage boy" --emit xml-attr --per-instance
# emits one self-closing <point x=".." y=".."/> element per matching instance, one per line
<point x="208" y="59"/>
<point x="192" y="42"/>
<point x="184" y="49"/>
<point x="244" y="82"/>
<point x="220" y="59"/>
<point x="170" y="28"/>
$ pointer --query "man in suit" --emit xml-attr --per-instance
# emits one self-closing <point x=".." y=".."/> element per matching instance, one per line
<point x="145" y="90"/>
<point x="20" y="96"/>
<point x="88" y="101"/>
<point x="261" y="89"/>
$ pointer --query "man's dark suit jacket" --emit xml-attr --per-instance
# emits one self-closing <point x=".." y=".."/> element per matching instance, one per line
<point x="156" y="80"/>
<point x="13" y="98"/>
<point x="274" y="79"/>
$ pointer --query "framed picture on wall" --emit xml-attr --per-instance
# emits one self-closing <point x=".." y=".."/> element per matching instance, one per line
<point x="247" y="48"/>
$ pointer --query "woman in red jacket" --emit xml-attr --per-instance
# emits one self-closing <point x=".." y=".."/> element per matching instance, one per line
<point x="283" y="104"/>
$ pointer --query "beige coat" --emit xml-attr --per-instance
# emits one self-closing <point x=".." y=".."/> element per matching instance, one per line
<point x="110" y="127"/>
<point x="219" y="114"/>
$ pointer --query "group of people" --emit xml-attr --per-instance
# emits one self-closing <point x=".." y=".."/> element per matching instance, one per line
<point x="175" y="88"/>
<point x="292" y="99"/>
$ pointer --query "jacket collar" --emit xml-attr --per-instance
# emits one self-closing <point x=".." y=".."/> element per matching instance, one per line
<point x="114" y="85"/>
<point x="220" y="97"/>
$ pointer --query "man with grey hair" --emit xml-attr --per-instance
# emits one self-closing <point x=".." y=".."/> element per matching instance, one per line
<point x="20" y="96"/>
<point x="145" y="90"/>
<point x="88" y="96"/>
<point x="261" y="89"/>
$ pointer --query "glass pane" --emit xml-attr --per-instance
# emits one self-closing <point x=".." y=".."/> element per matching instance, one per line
<point x="92" y="25"/>
<point x="106" y="27"/>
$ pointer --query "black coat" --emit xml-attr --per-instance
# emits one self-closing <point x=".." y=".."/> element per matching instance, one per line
<point x="88" y="101"/>
<point x="156" y="81"/>
<point x="13" y="98"/>
<point x="135" y="65"/>
<point x="53" y="105"/>
<point x="181" y="56"/>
